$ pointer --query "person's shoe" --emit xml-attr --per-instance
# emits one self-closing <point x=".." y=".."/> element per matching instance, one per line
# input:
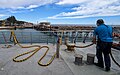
<point x="99" y="65"/>
<point x="107" y="69"/>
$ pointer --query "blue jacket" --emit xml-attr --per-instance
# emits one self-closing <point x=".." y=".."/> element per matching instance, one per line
<point x="104" y="33"/>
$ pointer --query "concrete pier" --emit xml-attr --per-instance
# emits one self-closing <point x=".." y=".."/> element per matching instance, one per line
<point x="30" y="66"/>
<point x="88" y="69"/>
<point x="64" y="65"/>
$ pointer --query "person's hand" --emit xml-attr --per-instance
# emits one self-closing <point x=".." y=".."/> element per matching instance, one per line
<point x="94" y="41"/>
<point x="116" y="35"/>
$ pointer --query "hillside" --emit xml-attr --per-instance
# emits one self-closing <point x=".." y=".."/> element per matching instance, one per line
<point x="11" y="21"/>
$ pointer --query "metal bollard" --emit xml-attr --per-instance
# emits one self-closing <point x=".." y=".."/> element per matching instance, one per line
<point x="90" y="58"/>
<point x="71" y="47"/>
<point x="57" y="51"/>
<point x="66" y="40"/>
<point x="78" y="59"/>
<point x="57" y="48"/>
<point x="60" y="39"/>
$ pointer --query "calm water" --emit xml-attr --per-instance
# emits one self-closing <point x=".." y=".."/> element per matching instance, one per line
<point x="27" y="36"/>
<point x="33" y="36"/>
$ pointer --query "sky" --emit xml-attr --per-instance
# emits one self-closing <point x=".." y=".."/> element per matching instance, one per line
<point x="62" y="11"/>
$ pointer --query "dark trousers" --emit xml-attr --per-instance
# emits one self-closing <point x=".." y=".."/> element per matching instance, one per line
<point x="105" y="49"/>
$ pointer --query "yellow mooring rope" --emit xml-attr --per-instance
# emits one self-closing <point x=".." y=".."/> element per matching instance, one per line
<point x="32" y="51"/>
<point x="39" y="47"/>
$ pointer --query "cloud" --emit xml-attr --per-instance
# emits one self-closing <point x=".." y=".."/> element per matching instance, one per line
<point x="24" y="4"/>
<point x="89" y="8"/>
<point x="3" y="15"/>
<point x="16" y="11"/>
<point x="62" y="2"/>
<point x="82" y="9"/>
<point x="32" y="6"/>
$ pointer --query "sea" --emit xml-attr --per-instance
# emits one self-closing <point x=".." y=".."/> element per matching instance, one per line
<point x="33" y="36"/>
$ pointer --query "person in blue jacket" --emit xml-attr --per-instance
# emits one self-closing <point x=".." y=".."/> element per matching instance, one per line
<point x="103" y="34"/>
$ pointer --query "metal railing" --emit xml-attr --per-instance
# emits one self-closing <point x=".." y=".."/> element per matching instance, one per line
<point x="32" y="36"/>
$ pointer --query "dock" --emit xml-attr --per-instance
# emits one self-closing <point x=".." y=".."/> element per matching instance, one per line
<point x="64" y="65"/>
<point x="1" y="28"/>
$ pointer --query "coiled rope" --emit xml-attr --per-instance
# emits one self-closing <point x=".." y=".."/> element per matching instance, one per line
<point x="32" y="51"/>
<point x="37" y="49"/>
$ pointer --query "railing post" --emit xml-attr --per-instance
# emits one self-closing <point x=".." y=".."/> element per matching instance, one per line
<point x="22" y="37"/>
<point x="47" y="41"/>
<point x="31" y="37"/>
<point x="54" y="40"/>
<point x="58" y="47"/>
